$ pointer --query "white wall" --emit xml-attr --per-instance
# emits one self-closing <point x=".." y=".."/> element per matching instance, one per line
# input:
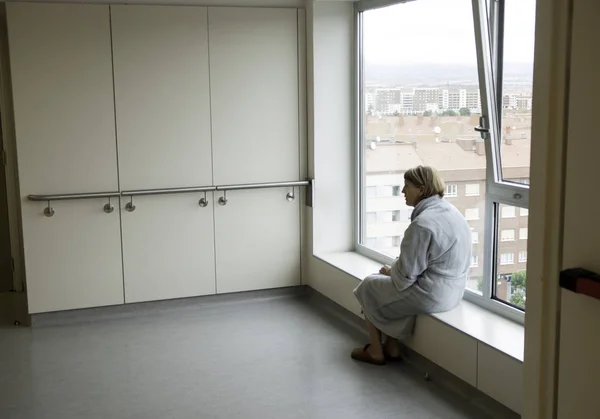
<point x="330" y="75"/>
<point x="579" y="365"/>
<point x="545" y="205"/>
<point x="329" y="224"/>
<point x="562" y="369"/>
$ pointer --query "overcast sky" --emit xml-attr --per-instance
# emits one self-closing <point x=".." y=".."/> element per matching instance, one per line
<point x="441" y="32"/>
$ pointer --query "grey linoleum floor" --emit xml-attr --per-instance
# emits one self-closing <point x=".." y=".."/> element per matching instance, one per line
<point x="279" y="357"/>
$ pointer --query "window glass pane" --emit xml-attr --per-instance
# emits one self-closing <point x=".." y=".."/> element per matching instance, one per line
<point x="420" y="105"/>
<point x="371" y="217"/>
<point x="476" y="219"/>
<point x="472" y="213"/>
<point x="385" y="190"/>
<point x="507" y="258"/>
<point x="384" y="216"/>
<point x="508" y="211"/>
<point x="517" y="81"/>
<point x="507" y="235"/>
<point x="511" y="259"/>
<point x="472" y="189"/>
<point x="451" y="191"/>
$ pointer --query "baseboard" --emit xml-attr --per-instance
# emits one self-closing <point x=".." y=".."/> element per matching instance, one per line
<point x="13" y="309"/>
<point x="90" y="315"/>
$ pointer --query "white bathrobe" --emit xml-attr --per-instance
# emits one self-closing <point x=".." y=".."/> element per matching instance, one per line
<point x="429" y="276"/>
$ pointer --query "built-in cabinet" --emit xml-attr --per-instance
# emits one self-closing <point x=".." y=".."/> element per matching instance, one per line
<point x="162" y="96"/>
<point x="128" y="98"/>
<point x="162" y="100"/>
<point x="253" y="220"/>
<point x="65" y="126"/>
<point x="254" y="94"/>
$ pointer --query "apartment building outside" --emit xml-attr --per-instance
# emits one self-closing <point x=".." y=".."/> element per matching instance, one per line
<point x="410" y="101"/>
<point x="520" y="101"/>
<point x="426" y="99"/>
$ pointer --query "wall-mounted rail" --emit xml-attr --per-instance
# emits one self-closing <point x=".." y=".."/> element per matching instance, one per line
<point x="49" y="211"/>
<point x="203" y="202"/>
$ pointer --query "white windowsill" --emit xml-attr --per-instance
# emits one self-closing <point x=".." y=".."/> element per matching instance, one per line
<point x="489" y="328"/>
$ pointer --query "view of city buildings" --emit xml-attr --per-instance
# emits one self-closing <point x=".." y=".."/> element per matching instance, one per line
<point x="383" y="100"/>
<point x="406" y="127"/>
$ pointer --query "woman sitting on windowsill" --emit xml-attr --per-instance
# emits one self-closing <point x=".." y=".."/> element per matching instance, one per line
<point x="429" y="276"/>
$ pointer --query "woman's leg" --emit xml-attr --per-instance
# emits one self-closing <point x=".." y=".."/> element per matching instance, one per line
<point x="375" y="348"/>
<point x="373" y="352"/>
<point x="391" y="348"/>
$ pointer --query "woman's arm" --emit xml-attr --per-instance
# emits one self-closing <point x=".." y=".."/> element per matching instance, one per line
<point x="413" y="259"/>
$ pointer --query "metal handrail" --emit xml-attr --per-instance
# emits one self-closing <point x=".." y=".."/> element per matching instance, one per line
<point x="49" y="211"/>
<point x="73" y="196"/>
<point x="140" y="192"/>
<point x="108" y="208"/>
<point x="263" y="185"/>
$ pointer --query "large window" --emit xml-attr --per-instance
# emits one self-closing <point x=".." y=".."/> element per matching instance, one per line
<point x="447" y="83"/>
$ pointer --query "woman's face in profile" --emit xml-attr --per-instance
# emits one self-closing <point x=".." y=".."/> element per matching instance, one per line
<point x="412" y="194"/>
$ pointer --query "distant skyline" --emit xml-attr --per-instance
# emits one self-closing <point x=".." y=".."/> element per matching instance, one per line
<point x="441" y="32"/>
<point x="441" y="74"/>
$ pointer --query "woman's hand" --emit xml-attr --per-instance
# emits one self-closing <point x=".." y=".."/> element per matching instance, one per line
<point x="385" y="270"/>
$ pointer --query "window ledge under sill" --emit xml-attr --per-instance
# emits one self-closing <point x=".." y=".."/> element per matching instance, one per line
<point x="489" y="328"/>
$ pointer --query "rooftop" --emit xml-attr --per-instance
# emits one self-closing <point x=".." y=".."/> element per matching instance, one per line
<point x="396" y="143"/>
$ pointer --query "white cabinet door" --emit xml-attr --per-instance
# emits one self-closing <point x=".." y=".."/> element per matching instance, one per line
<point x="257" y="236"/>
<point x="163" y="130"/>
<point x="168" y="247"/>
<point x="254" y="94"/>
<point x="73" y="259"/>
<point x="61" y="69"/>
<point x="64" y="118"/>
<point x="162" y="96"/>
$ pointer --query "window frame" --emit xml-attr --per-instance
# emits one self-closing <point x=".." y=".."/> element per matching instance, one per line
<point x="488" y="27"/>
<point x="526" y="233"/>
<point x="454" y="188"/>
<point x="521" y="253"/>
<point x="512" y="259"/>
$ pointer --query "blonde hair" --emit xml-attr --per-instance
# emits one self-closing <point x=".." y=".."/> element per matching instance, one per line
<point x="428" y="178"/>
